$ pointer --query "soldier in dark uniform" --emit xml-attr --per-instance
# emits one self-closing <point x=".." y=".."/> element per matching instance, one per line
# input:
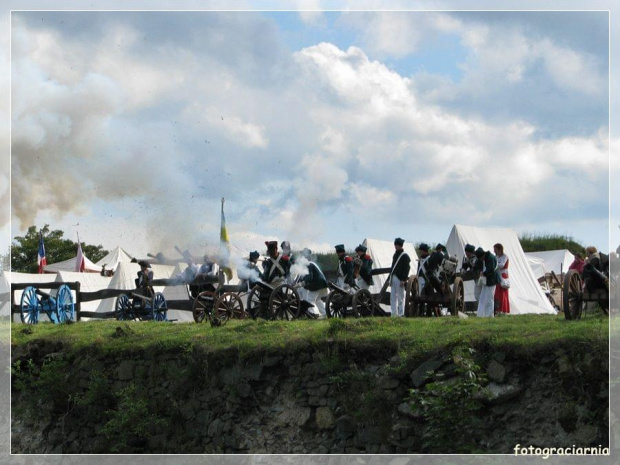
<point x="314" y="284"/>
<point x="399" y="274"/>
<point x="249" y="273"/>
<point x="145" y="276"/>
<point x="345" y="268"/>
<point x="470" y="270"/>
<point x="491" y="279"/>
<point x="362" y="268"/>
<point x="276" y="266"/>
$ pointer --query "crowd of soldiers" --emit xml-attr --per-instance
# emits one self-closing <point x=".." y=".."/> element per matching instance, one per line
<point x="355" y="272"/>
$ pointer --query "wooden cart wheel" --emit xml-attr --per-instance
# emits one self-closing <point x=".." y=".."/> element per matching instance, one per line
<point x="572" y="295"/>
<point x="228" y="306"/>
<point x="122" y="309"/>
<point x="65" y="309"/>
<point x="457" y="300"/>
<point x="29" y="306"/>
<point x="254" y="303"/>
<point x="160" y="307"/>
<point x="284" y="303"/>
<point x="203" y="306"/>
<point x="363" y="304"/>
<point x="334" y="305"/>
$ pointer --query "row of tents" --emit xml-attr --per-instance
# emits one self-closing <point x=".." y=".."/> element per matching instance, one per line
<point x="526" y="294"/>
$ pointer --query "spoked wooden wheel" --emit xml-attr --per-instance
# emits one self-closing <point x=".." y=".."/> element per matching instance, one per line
<point x="335" y="305"/>
<point x="284" y="303"/>
<point x="160" y="308"/>
<point x="228" y="306"/>
<point x="572" y="295"/>
<point x="457" y="301"/>
<point x="363" y="304"/>
<point x="122" y="309"/>
<point x="254" y="303"/>
<point x="203" y="306"/>
<point x="29" y="306"/>
<point x="64" y="304"/>
<point x="412" y="297"/>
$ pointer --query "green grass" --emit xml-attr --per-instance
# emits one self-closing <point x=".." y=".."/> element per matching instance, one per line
<point x="250" y="339"/>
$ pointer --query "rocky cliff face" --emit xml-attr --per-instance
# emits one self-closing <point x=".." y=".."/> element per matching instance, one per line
<point x="325" y="399"/>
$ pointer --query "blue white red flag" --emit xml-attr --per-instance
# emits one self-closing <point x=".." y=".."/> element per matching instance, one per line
<point x="41" y="259"/>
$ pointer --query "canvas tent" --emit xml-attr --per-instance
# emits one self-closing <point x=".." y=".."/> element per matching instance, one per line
<point x="89" y="282"/>
<point x="69" y="265"/>
<point x="112" y="259"/>
<point x="557" y="261"/>
<point x="538" y="266"/>
<point x="381" y="253"/>
<point x="38" y="280"/>
<point x="526" y="295"/>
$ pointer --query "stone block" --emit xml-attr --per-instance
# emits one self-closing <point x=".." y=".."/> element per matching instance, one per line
<point x="324" y="418"/>
<point x="496" y="371"/>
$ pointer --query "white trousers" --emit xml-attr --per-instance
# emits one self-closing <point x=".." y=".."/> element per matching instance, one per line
<point x="314" y="297"/>
<point x="361" y="283"/>
<point x="486" y="304"/>
<point x="397" y="297"/>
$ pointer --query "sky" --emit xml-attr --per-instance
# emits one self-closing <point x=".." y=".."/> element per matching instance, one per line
<point x="318" y="127"/>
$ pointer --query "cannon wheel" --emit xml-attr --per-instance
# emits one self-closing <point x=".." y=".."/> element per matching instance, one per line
<point x="228" y="306"/>
<point x="363" y="304"/>
<point x="412" y="297"/>
<point x="202" y="306"/>
<point x="29" y="306"/>
<point x="160" y="308"/>
<point x="333" y="305"/>
<point x="254" y="303"/>
<point x="284" y="303"/>
<point x="572" y="295"/>
<point x="65" y="309"/>
<point x="457" y="300"/>
<point x="123" y="309"/>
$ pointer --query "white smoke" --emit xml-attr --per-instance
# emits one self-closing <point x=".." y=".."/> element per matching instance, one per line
<point x="300" y="268"/>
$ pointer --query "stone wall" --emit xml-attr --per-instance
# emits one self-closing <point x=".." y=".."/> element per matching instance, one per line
<point x="326" y="399"/>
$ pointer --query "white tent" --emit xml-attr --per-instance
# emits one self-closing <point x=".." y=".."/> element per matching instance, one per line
<point x="177" y="292"/>
<point x="124" y="278"/>
<point x="89" y="282"/>
<point x="381" y="253"/>
<point x="112" y="259"/>
<point x="557" y="261"/>
<point x="538" y="266"/>
<point x="69" y="265"/>
<point x="38" y="280"/>
<point x="526" y="295"/>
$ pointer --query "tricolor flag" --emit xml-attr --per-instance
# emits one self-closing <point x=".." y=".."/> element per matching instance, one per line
<point x="224" y="247"/>
<point x="80" y="264"/>
<point x="41" y="259"/>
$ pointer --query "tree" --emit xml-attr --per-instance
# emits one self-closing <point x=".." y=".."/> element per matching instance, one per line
<point x="542" y="242"/>
<point x="24" y="249"/>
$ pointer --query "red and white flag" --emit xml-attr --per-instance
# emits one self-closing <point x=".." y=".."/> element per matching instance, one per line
<point x="80" y="263"/>
<point x="41" y="259"/>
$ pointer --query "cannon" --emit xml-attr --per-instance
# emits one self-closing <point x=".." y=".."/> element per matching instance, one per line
<point x="449" y="293"/>
<point x="270" y="302"/>
<point x="575" y="295"/>
<point x="219" y="304"/>
<point x="59" y="307"/>
<point x="142" y="304"/>
<point x="355" y="302"/>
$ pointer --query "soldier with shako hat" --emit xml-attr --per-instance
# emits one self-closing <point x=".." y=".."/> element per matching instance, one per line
<point x="276" y="267"/>
<point x="399" y="274"/>
<point x="345" y="268"/>
<point x="362" y="268"/>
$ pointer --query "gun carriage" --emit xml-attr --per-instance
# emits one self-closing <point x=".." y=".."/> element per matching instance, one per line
<point x="575" y="294"/>
<point x="58" y="306"/>
<point x="142" y="304"/>
<point x="445" y="289"/>
<point x="355" y="302"/>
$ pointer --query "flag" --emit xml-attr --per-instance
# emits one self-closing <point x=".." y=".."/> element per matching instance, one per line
<point x="224" y="247"/>
<point x="80" y="263"/>
<point x="41" y="259"/>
